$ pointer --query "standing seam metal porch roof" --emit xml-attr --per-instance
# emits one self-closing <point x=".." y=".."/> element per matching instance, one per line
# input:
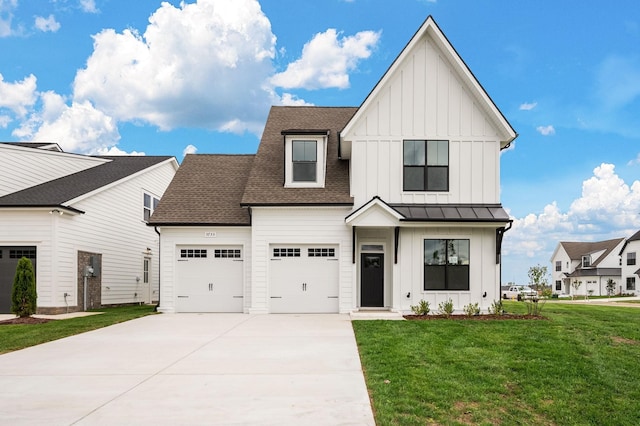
<point x="452" y="212"/>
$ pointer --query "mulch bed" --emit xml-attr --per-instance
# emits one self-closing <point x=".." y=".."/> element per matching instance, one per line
<point x="25" y="320"/>
<point x="473" y="317"/>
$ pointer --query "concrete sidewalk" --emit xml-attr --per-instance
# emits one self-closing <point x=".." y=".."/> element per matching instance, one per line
<point x="192" y="369"/>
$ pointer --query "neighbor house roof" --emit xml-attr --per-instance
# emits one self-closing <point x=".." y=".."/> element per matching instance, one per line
<point x="57" y="192"/>
<point x="206" y="190"/>
<point x="265" y="185"/>
<point x="634" y="237"/>
<point x="575" y="250"/>
<point x="595" y="272"/>
<point x="51" y="146"/>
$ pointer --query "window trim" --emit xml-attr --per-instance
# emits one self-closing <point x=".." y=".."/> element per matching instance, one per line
<point x="153" y="204"/>
<point x="558" y="265"/>
<point x="632" y="281"/>
<point x="426" y="166"/>
<point x="586" y="264"/>
<point x="321" y="160"/>
<point x="447" y="265"/>
<point x="631" y="258"/>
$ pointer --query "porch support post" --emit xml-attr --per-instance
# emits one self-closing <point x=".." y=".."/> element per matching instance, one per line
<point x="353" y="245"/>
<point x="396" y="242"/>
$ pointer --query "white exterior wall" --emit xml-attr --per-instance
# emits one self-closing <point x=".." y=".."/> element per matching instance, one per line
<point x="171" y="237"/>
<point x="629" y="270"/>
<point x="562" y="256"/>
<point x="299" y="225"/>
<point x="112" y="226"/>
<point x="484" y="273"/>
<point x="22" y="167"/>
<point x="425" y="99"/>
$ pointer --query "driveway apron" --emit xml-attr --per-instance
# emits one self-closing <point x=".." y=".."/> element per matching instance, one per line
<point x="192" y="369"/>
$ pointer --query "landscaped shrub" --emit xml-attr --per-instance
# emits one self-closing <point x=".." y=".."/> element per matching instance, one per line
<point x="422" y="308"/>
<point x="471" y="309"/>
<point x="23" y="294"/>
<point x="446" y="308"/>
<point x="496" y="307"/>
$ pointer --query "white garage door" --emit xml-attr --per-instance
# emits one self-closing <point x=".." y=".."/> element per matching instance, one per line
<point x="303" y="279"/>
<point x="209" y="279"/>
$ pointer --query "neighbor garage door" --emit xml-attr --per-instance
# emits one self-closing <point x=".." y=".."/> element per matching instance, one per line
<point x="303" y="279"/>
<point x="209" y="279"/>
<point x="9" y="257"/>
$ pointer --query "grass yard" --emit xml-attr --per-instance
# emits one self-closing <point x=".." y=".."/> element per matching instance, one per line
<point x="579" y="367"/>
<point x="18" y="336"/>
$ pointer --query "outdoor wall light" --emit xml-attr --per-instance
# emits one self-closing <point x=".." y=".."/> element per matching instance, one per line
<point x="484" y="294"/>
<point x="408" y="295"/>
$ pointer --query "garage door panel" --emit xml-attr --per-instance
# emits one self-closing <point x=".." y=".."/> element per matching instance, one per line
<point x="210" y="284"/>
<point x="304" y="283"/>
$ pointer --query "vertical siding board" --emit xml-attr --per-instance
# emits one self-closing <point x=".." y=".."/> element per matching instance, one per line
<point x="431" y="66"/>
<point x="454" y="104"/>
<point x="384" y="113"/>
<point x="419" y="80"/>
<point x="442" y="110"/>
<point x="407" y="97"/>
<point x="395" y="97"/>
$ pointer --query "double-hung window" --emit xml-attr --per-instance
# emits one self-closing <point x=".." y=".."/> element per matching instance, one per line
<point x="305" y="160"/>
<point x="631" y="258"/>
<point x="446" y="264"/>
<point x="426" y="165"/>
<point x="150" y="204"/>
<point x="631" y="283"/>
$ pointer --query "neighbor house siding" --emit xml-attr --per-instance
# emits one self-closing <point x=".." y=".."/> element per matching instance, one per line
<point x="22" y="168"/>
<point x="200" y="236"/>
<point x="299" y="225"/>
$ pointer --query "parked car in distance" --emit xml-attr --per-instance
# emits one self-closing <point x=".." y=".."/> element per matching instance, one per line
<point x="519" y="292"/>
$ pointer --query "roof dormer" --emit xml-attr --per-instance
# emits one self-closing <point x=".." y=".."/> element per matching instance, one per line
<point x="305" y="156"/>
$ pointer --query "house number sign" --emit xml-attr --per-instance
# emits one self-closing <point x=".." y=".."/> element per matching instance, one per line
<point x="209" y="234"/>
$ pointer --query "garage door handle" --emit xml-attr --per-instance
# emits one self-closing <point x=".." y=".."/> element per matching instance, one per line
<point x="332" y="297"/>
<point x="276" y="297"/>
<point x="332" y="259"/>
<point x="238" y="297"/>
<point x="276" y="259"/>
<point x="183" y="297"/>
<point x="238" y="260"/>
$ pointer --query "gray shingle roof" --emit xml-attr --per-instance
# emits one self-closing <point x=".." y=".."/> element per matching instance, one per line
<point x="575" y="250"/>
<point x="206" y="190"/>
<point x="265" y="184"/>
<point x="59" y="191"/>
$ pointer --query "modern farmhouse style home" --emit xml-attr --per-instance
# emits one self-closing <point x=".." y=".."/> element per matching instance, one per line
<point x="81" y="220"/>
<point x="346" y="209"/>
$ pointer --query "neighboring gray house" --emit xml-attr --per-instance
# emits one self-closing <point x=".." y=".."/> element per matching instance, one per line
<point x="67" y="212"/>
<point x="630" y="266"/>
<point x="591" y="263"/>
<point x="348" y="208"/>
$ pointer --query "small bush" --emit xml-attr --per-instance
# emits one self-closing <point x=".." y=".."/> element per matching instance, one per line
<point x="23" y="294"/>
<point x="422" y="308"/>
<point x="496" y="308"/>
<point x="471" y="309"/>
<point x="446" y="308"/>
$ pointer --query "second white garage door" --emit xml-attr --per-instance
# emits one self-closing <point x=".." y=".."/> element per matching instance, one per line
<point x="209" y="279"/>
<point x="303" y="279"/>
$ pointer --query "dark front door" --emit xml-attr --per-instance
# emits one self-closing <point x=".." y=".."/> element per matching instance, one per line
<point x="9" y="257"/>
<point x="372" y="280"/>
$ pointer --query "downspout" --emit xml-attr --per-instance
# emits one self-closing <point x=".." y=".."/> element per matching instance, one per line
<point x="159" y="265"/>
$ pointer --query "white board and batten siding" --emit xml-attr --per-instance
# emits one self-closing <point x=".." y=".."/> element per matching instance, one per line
<point x="22" y="167"/>
<point x="484" y="274"/>
<point x="425" y="99"/>
<point x="182" y="281"/>
<point x="304" y="228"/>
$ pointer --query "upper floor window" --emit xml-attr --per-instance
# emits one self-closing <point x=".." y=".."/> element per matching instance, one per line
<point x="586" y="261"/>
<point x="558" y="265"/>
<point x="426" y="165"/>
<point x="305" y="161"/>
<point x="150" y="204"/>
<point x="631" y="258"/>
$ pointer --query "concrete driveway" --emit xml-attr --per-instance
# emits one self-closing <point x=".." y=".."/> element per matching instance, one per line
<point x="192" y="369"/>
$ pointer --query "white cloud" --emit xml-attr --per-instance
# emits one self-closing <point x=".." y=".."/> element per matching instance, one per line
<point x="607" y="208"/>
<point x="189" y="149"/>
<point x="47" y="24"/>
<point x="88" y="6"/>
<point x="528" y="106"/>
<point x="327" y="60"/>
<point x="546" y="130"/>
<point x="4" y="121"/>
<point x="18" y="96"/>
<point x="203" y="64"/>
<point x="635" y="161"/>
<point x="114" y="150"/>
<point x="288" y="99"/>
<point x="6" y="17"/>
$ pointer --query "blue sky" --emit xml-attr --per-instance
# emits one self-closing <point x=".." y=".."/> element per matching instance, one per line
<point x="116" y="76"/>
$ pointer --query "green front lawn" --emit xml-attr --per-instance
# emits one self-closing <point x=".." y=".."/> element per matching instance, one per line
<point x="581" y="366"/>
<point x="19" y="336"/>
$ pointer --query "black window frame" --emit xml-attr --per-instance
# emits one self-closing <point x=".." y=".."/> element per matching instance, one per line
<point x="586" y="264"/>
<point x="301" y="165"/>
<point x="631" y="283"/>
<point x="558" y="285"/>
<point x="558" y="265"/>
<point x="631" y="258"/>
<point x="440" y="274"/>
<point x="423" y="164"/>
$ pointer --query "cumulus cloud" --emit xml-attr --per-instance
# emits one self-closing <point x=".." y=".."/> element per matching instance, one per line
<point x="314" y="71"/>
<point x="48" y="24"/>
<point x="18" y="96"/>
<point x="607" y="208"/>
<point x="114" y="150"/>
<point x="528" y="106"/>
<point x="189" y="149"/>
<point x="6" y="16"/>
<point x="88" y="6"/>
<point x="203" y="64"/>
<point x="546" y="130"/>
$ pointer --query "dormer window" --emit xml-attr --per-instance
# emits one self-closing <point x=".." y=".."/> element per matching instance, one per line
<point x="586" y="261"/>
<point x="305" y="153"/>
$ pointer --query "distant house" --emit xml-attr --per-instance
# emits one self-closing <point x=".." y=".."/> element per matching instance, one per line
<point x="348" y="208"/>
<point x="82" y="220"/>
<point x="591" y="263"/>
<point x="629" y="264"/>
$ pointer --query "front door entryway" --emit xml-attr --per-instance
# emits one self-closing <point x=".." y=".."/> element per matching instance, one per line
<point x="372" y="280"/>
